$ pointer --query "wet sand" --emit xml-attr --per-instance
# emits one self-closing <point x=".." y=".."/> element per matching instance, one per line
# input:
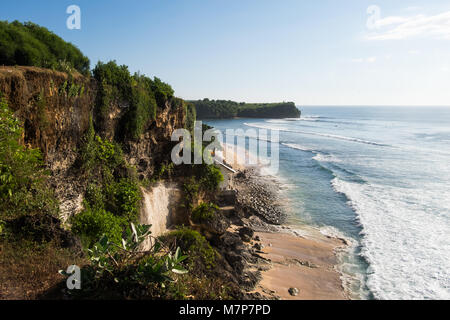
<point x="305" y="264"/>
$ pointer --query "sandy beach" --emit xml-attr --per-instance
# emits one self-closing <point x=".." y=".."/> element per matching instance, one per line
<point x="301" y="263"/>
<point x="305" y="262"/>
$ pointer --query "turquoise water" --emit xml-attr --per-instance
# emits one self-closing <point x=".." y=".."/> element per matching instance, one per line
<point x="380" y="177"/>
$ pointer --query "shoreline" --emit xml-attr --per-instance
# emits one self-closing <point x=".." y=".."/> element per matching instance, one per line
<point x="306" y="262"/>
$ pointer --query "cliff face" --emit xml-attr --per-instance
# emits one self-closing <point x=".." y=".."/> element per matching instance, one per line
<point x="155" y="146"/>
<point x="56" y="110"/>
<point x="55" y="114"/>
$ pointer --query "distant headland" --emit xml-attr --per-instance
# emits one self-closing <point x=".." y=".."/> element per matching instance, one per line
<point x="226" y="109"/>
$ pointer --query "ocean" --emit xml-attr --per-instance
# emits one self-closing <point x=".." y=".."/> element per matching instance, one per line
<point x="379" y="177"/>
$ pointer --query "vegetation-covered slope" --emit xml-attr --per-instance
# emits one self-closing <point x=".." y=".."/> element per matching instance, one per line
<point x="28" y="44"/>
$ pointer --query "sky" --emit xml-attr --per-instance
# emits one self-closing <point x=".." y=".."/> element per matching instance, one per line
<point x="327" y="52"/>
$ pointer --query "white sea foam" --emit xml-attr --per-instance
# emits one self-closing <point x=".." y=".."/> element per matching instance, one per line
<point x="298" y="147"/>
<point x="405" y="245"/>
<point x="326" y="158"/>
<point x="325" y="135"/>
<point x="348" y="266"/>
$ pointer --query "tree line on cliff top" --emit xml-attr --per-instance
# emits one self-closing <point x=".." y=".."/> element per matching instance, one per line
<point x="223" y="109"/>
<point x="28" y="44"/>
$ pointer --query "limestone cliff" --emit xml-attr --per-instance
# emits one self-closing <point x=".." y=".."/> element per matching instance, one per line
<point x="56" y="109"/>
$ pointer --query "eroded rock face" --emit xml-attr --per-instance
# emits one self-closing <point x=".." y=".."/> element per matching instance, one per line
<point x="160" y="208"/>
<point x="56" y="110"/>
<point x="155" y="145"/>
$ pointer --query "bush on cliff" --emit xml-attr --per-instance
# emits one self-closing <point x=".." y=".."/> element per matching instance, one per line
<point x="22" y="175"/>
<point x="191" y="116"/>
<point x="204" y="211"/>
<point x="99" y="155"/>
<point x="201" y="255"/>
<point x="210" y="177"/>
<point x="108" y="210"/>
<point x="142" y="95"/>
<point x="112" y="198"/>
<point x="121" y="269"/>
<point x="29" y="44"/>
<point x="92" y="223"/>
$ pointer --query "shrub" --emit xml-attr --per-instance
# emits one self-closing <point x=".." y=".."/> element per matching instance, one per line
<point x="142" y="107"/>
<point x="203" y="212"/>
<point x="142" y="94"/>
<point x="191" y="115"/>
<point x="210" y="177"/>
<point x="119" y="200"/>
<point x="125" y="198"/>
<point x="201" y="254"/>
<point x="95" y="196"/>
<point x="92" y="223"/>
<point x="97" y="153"/>
<point x="115" y="76"/>
<point x="120" y="268"/>
<point x="162" y="90"/>
<point x="164" y="171"/>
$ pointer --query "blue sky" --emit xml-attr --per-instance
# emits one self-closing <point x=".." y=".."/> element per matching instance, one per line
<point x="309" y="52"/>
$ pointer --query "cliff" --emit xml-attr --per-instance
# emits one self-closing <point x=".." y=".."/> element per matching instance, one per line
<point x="225" y="109"/>
<point x="104" y="178"/>
<point x="56" y="109"/>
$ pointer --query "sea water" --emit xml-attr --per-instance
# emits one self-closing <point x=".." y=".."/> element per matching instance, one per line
<point x="379" y="177"/>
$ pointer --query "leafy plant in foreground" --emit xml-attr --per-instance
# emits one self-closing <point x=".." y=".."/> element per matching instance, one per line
<point x="126" y="266"/>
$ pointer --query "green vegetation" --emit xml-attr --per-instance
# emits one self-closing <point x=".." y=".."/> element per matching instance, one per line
<point x="201" y="178"/>
<point x="209" y="177"/>
<point x="121" y="269"/>
<point x="164" y="170"/>
<point x="99" y="158"/>
<point x="94" y="222"/>
<point x="191" y="116"/>
<point x="223" y="109"/>
<point x="201" y="255"/>
<point x="144" y="96"/>
<point x="28" y="211"/>
<point x="22" y="176"/>
<point x="204" y="211"/>
<point x="163" y="91"/>
<point x="28" y="44"/>
<point x="112" y="200"/>
<point x="191" y="189"/>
